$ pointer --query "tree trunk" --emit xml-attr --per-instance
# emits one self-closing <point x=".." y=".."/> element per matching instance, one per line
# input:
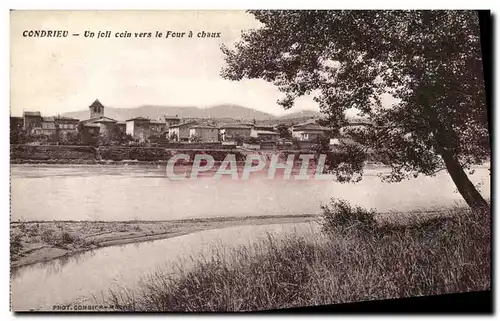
<point x="465" y="187"/>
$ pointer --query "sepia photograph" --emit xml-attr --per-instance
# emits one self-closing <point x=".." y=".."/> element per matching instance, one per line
<point x="250" y="160"/>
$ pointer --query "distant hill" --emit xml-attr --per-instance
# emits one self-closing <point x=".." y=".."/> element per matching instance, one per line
<point x="236" y="112"/>
<point x="153" y="112"/>
<point x="301" y="114"/>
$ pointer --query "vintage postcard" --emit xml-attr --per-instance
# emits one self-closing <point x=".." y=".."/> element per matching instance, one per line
<point x="201" y="161"/>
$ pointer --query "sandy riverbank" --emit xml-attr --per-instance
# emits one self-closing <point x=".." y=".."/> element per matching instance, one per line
<point x="39" y="241"/>
<point x="34" y="242"/>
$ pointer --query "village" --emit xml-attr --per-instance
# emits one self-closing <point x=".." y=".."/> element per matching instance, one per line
<point x="251" y="161"/>
<point x="33" y="128"/>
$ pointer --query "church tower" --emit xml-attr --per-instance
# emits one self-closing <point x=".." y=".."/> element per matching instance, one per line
<point x="96" y="109"/>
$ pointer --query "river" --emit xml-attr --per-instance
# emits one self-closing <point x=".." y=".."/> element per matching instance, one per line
<point x="75" y="279"/>
<point x="145" y="193"/>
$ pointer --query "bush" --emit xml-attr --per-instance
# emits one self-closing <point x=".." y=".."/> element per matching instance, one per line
<point x="296" y="143"/>
<point x="48" y="236"/>
<point x="66" y="238"/>
<point x="15" y="244"/>
<point x="253" y="140"/>
<point x="340" y="216"/>
<point x="58" y="239"/>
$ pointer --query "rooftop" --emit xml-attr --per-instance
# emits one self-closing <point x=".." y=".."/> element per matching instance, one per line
<point x="32" y="113"/>
<point x="264" y="126"/>
<point x="65" y="118"/>
<point x="102" y="119"/>
<point x="266" y="132"/>
<point x="184" y="124"/>
<point x="96" y="103"/>
<point x="171" y="117"/>
<point x="91" y="125"/>
<point x="236" y="126"/>
<point x="105" y="120"/>
<point x="204" y="126"/>
<point x="309" y="126"/>
<point x="140" y="118"/>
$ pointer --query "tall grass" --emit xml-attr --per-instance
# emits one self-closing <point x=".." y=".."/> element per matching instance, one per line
<point x="353" y="260"/>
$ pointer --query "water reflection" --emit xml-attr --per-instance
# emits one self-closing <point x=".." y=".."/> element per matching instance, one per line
<point x="77" y="278"/>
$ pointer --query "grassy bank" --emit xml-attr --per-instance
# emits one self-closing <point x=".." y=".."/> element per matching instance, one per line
<point x="353" y="259"/>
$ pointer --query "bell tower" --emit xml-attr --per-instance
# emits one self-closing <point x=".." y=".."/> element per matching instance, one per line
<point x="96" y="109"/>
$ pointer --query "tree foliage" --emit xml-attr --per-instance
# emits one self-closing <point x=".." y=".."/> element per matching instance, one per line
<point x="284" y="131"/>
<point x="429" y="62"/>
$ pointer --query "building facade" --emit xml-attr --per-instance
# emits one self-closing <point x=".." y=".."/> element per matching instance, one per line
<point x="122" y="126"/>
<point x="204" y="134"/>
<point x="98" y="124"/>
<point x="32" y="120"/>
<point x="90" y="133"/>
<point x="66" y="125"/>
<point x="47" y="127"/>
<point x="138" y="128"/>
<point x="171" y="121"/>
<point x="180" y="132"/>
<point x="54" y="127"/>
<point x="265" y="135"/>
<point x="308" y="132"/>
<point x="96" y="109"/>
<point x="157" y="127"/>
<point x="233" y="132"/>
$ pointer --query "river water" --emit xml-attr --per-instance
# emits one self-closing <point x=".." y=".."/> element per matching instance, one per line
<point x="146" y="193"/>
<point x="76" y="279"/>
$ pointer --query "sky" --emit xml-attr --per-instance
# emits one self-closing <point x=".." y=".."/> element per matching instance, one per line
<point x="57" y="75"/>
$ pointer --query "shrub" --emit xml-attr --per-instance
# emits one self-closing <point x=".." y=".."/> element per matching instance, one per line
<point x="296" y="143"/>
<point x="48" y="236"/>
<point x="253" y="140"/>
<point x="67" y="238"/>
<point x="340" y="216"/>
<point x="15" y="244"/>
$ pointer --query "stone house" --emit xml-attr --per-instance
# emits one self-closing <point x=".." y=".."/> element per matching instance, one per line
<point x="203" y="133"/>
<point x="97" y="119"/>
<point x="139" y="128"/>
<point x="31" y="120"/>
<point x="180" y="132"/>
<point x="231" y="132"/>
<point x="157" y="127"/>
<point x="308" y="131"/>
<point x="171" y="120"/>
